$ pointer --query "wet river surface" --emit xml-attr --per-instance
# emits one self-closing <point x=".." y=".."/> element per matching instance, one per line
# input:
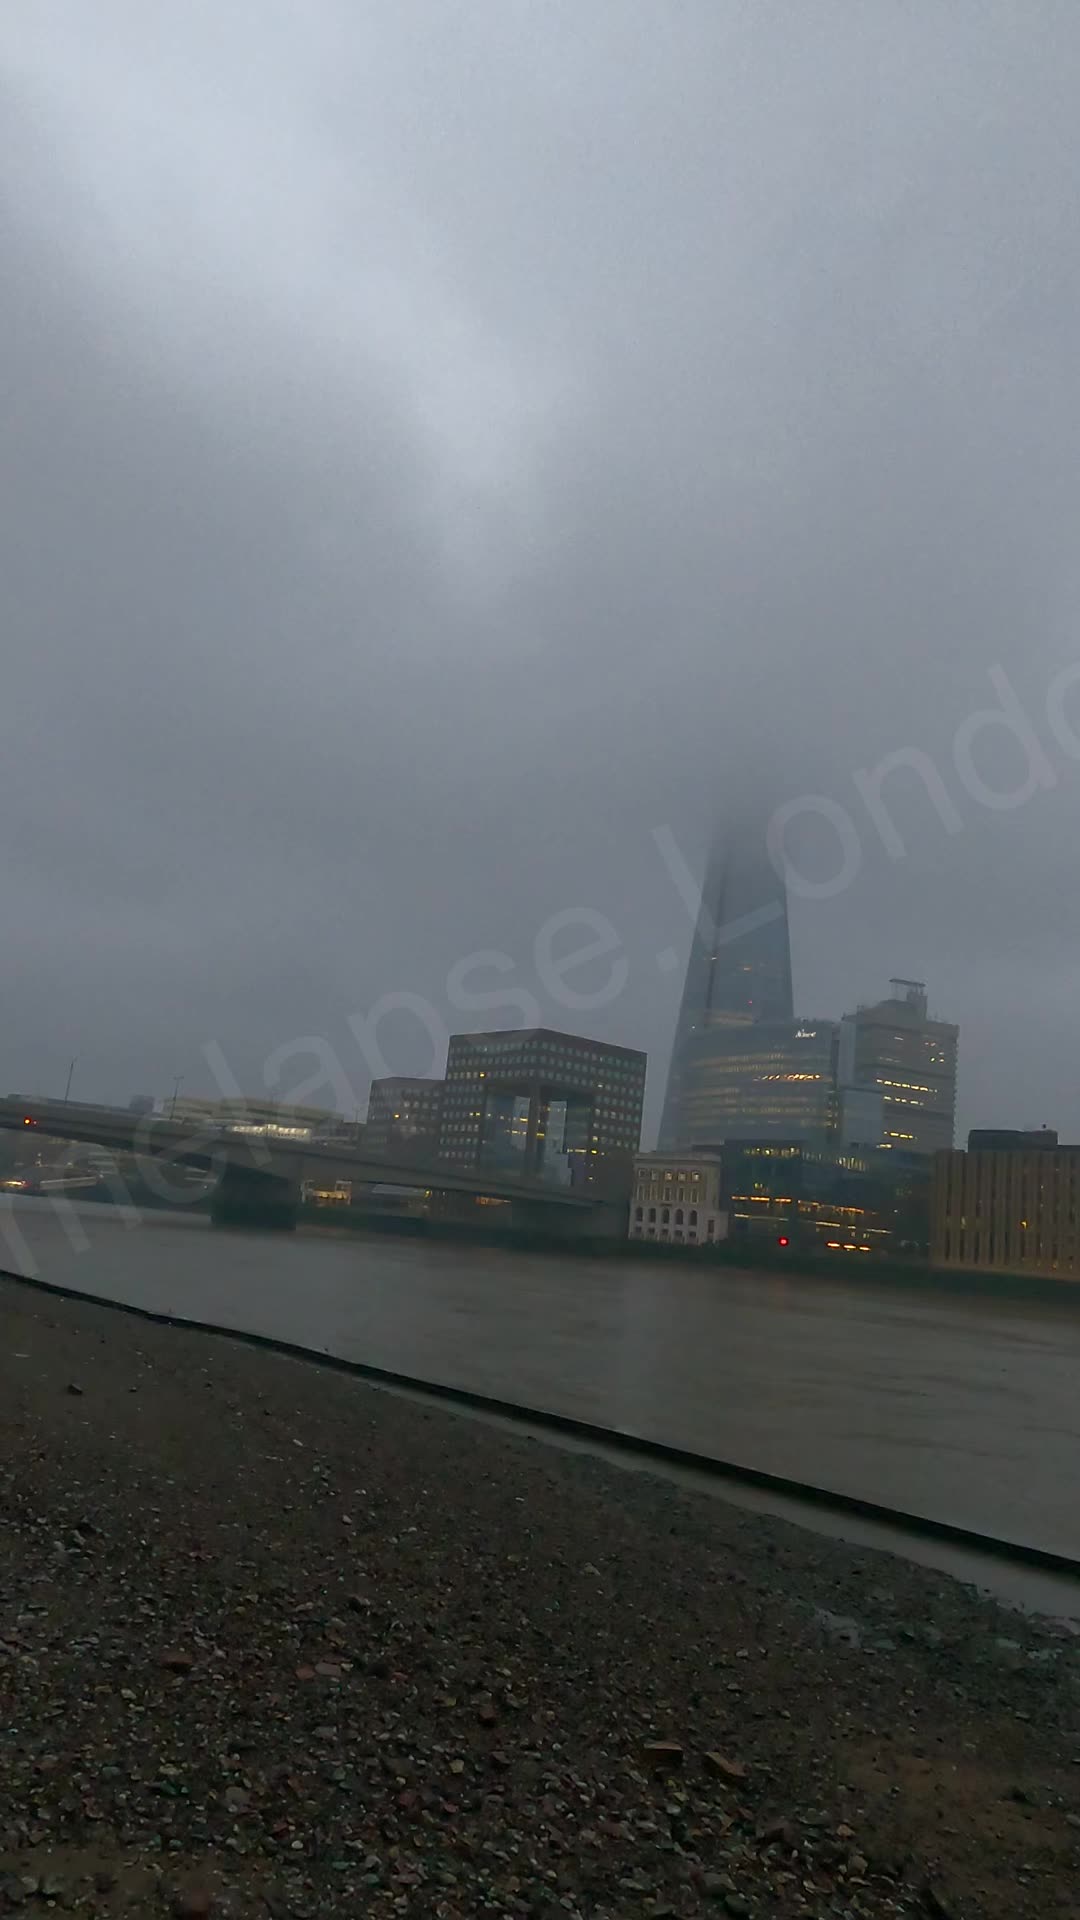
<point x="959" y="1409"/>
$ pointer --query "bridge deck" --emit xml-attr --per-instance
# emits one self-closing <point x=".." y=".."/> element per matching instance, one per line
<point x="159" y="1138"/>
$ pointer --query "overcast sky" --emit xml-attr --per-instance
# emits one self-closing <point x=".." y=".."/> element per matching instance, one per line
<point x="448" y="451"/>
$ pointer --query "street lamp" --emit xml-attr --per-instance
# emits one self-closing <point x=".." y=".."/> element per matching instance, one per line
<point x="177" y="1084"/>
<point x="71" y="1069"/>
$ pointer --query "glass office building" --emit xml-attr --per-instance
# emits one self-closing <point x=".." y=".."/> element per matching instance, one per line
<point x="543" y="1104"/>
<point x="895" y="1051"/>
<point x="742" y="1065"/>
<point x="759" y="1081"/>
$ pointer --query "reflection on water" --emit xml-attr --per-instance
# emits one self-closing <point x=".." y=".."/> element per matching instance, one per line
<point x="964" y="1410"/>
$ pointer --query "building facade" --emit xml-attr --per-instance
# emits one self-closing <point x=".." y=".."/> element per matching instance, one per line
<point x="544" y="1105"/>
<point x="896" y="1051"/>
<point x="404" y="1117"/>
<point x="736" y="1018"/>
<point x="760" y="1080"/>
<point x="678" y="1199"/>
<point x="1008" y="1209"/>
<point x="860" y="1117"/>
<point x="831" y="1198"/>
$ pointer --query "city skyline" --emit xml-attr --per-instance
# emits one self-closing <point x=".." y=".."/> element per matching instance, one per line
<point x="539" y="767"/>
<point x="747" y="1062"/>
<point x="734" y="992"/>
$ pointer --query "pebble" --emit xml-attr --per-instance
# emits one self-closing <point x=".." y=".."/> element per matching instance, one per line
<point x="193" y="1903"/>
<point x="628" y="1771"/>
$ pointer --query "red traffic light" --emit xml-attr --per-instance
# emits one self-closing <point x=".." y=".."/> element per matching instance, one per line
<point x="28" y="1122"/>
<point x="783" y="1241"/>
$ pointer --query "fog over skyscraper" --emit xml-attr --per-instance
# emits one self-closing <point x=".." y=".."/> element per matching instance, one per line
<point x="742" y="1066"/>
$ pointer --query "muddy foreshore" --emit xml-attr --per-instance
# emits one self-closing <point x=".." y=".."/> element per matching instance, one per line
<point x="273" y="1642"/>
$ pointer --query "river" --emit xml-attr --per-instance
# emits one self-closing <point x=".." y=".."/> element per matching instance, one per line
<point x="959" y="1409"/>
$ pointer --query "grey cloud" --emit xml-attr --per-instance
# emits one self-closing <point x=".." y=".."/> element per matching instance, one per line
<point x="442" y="448"/>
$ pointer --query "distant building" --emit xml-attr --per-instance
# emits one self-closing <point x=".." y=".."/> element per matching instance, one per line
<point x="141" y="1104"/>
<point x="404" y="1117"/>
<point x="1008" y="1209"/>
<point x="1011" y="1139"/>
<point x="736" y="1025"/>
<point x="828" y="1198"/>
<point x="743" y="1066"/>
<point x="678" y="1198"/>
<point x="545" y="1105"/>
<point x="896" y="1051"/>
<point x="762" y="1080"/>
<point x="276" y="1119"/>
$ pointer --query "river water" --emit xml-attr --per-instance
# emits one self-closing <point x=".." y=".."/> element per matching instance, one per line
<point x="958" y="1409"/>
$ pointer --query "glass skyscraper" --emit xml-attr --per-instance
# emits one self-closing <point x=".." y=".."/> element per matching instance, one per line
<point x="742" y="1066"/>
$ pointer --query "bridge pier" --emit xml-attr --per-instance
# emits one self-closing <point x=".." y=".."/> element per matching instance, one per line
<point x="245" y="1198"/>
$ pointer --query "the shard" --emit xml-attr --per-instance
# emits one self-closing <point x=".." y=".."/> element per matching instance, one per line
<point x="741" y="1066"/>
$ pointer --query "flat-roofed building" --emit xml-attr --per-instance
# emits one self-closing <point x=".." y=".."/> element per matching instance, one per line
<point x="404" y="1116"/>
<point x="677" y="1197"/>
<point x="543" y="1105"/>
<point x="1008" y="1209"/>
<point x="895" y="1050"/>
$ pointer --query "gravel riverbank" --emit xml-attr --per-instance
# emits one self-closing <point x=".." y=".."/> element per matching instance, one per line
<point x="273" y="1642"/>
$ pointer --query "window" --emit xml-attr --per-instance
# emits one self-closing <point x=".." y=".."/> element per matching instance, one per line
<point x="638" y="1215"/>
<point x="693" y="1216"/>
<point x="678" y="1216"/>
<point x="665" y="1216"/>
<point x="652" y="1213"/>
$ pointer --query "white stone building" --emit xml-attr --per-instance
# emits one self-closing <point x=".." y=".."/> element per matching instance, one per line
<point x="677" y="1197"/>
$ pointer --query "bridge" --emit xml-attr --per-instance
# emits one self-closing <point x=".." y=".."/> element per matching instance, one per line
<point x="260" y="1177"/>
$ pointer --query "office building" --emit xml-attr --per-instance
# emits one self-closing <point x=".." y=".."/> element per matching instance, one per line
<point x="827" y="1198"/>
<point x="404" y="1116"/>
<point x="896" y="1051"/>
<point x="1008" y="1209"/>
<point x="543" y="1104"/>
<point x="736" y="1020"/>
<point x="678" y="1199"/>
<point x="860" y="1118"/>
<point x="760" y="1081"/>
<point x="1011" y="1139"/>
